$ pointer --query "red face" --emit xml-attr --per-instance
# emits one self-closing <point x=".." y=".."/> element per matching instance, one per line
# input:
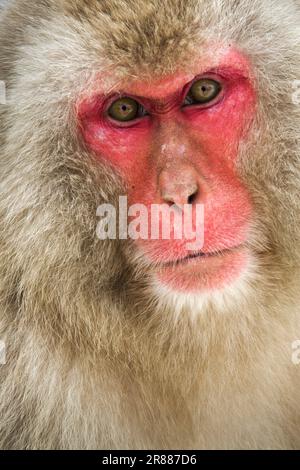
<point x="180" y="146"/>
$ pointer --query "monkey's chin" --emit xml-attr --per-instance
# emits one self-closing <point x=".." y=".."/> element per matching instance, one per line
<point x="203" y="273"/>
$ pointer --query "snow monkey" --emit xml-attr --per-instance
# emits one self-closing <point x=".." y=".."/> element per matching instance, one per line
<point x="143" y="342"/>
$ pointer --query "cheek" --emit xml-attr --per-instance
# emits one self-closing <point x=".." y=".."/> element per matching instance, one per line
<point x="124" y="148"/>
<point x="218" y="130"/>
<point x="129" y="150"/>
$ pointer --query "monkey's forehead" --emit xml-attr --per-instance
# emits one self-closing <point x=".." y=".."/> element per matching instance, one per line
<point x="70" y="44"/>
<point x="155" y="36"/>
<point x="143" y="32"/>
<point x="226" y="61"/>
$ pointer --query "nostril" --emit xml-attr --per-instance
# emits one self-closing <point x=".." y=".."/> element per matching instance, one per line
<point x="179" y="186"/>
<point x="169" y="201"/>
<point x="192" y="198"/>
<point x="192" y="194"/>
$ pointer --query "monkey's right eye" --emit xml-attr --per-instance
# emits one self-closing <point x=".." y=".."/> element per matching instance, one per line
<point x="126" y="109"/>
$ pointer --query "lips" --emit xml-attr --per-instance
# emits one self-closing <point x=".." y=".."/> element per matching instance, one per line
<point x="200" y="254"/>
<point x="203" y="271"/>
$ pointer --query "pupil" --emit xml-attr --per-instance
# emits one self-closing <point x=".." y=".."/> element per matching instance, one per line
<point x="124" y="107"/>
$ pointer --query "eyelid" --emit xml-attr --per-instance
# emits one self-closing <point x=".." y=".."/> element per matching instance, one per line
<point x="134" y="123"/>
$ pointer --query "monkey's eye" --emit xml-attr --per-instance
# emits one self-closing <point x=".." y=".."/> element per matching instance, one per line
<point x="203" y="91"/>
<point x="126" y="109"/>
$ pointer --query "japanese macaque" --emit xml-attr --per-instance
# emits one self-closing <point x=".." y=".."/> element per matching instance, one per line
<point x="144" y="343"/>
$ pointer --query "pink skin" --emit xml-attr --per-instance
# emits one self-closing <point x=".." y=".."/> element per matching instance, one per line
<point x="175" y="147"/>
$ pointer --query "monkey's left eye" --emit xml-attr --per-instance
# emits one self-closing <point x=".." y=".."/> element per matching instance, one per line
<point x="126" y="109"/>
<point x="203" y="91"/>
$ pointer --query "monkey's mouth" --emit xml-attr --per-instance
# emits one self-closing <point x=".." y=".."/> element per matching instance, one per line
<point x="200" y="254"/>
<point x="203" y="271"/>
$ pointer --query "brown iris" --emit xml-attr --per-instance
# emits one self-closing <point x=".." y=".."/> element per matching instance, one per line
<point x="203" y="91"/>
<point x="124" y="109"/>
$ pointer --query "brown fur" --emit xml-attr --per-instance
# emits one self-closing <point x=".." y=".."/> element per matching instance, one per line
<point x="95" y="359"/>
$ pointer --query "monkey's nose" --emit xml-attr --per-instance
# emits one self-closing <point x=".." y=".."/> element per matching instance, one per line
<point x="179" y="185"/>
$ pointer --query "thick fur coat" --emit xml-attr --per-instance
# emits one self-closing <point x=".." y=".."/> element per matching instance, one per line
<point x="98" y="357"/>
